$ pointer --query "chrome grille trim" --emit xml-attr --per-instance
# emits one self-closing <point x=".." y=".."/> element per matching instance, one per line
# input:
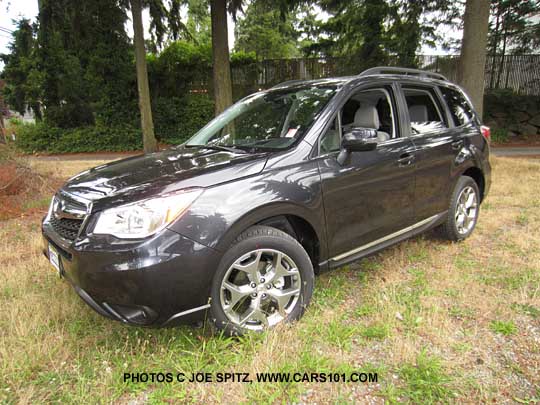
<point x="68" y="215"/>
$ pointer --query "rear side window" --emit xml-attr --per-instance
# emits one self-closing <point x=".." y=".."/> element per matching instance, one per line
<point x="424" y="110"/>
<point x="461" y="111"/>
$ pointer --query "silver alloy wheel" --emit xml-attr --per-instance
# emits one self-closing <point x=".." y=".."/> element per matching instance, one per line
<point x="260" y="289"/>
<point x="466" y="210"/>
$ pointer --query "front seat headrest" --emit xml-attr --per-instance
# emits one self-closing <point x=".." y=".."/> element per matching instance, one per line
<point x="367" y="117"/>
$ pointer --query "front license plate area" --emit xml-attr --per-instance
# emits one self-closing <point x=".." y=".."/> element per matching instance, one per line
<point x="54" y="259"/>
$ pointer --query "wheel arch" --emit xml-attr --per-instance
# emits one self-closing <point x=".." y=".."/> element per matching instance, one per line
<point x="478" y="176"/>
<point x="290" y="218"/>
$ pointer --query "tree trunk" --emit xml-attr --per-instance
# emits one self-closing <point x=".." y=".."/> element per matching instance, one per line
<point x="149" y="139"/>
<point x="473" y="51"/>
<point x="220" y="52"/>
<point x="495" y="46"/>
<point x="503" y="58"/>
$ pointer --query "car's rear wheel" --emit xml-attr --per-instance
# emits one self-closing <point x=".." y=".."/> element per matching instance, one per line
<point x="463" y="210"/>
<point x="265" y="278"/>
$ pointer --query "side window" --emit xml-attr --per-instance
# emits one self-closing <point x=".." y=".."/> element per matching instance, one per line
<point x="461" y="111"/>
<point x="424" y="112"/>
<point x="371" y="108"/>
<point x="331" y="140"/>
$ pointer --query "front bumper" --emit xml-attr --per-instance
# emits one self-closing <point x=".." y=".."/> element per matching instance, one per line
<point x="160" y="281"/>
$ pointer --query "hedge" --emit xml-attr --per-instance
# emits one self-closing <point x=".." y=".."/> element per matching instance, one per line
<point x="175" y="120"/>
<point x="40" y="137"/>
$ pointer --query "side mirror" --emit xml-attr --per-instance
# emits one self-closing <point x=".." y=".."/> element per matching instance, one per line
<point x="357" y="140"/>
<point x="360" y="139"/>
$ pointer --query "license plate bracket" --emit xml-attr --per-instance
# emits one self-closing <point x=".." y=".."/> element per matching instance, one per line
<point x="54" y="258"/>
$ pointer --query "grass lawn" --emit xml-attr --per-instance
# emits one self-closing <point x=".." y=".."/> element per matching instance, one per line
<point x="438" y="322"/>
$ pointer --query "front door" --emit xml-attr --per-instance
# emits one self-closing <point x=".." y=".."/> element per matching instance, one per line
<point x="370" y="195"/>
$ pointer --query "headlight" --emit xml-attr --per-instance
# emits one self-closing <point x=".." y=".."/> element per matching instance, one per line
<point x="144" y="218"/>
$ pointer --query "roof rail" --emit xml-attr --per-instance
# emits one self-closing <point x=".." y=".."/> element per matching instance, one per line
<point x="402" y="71"/>
<point x="288" y="82"/>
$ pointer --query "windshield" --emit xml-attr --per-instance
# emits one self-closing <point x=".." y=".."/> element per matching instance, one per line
<point x="268" y="120"/>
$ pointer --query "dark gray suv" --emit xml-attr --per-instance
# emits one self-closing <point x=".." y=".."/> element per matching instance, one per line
<point x="233" y="224"/>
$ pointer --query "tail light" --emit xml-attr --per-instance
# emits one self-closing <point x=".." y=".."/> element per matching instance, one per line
<point x="486" y="132"/>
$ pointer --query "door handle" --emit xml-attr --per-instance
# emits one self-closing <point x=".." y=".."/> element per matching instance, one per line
<point x="456" y="145"/>
<point x="405" y="159"/>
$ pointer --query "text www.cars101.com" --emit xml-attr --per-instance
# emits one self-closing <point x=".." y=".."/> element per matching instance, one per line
<point x="206" y="377"/>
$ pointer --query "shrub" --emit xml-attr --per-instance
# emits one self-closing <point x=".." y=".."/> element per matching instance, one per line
<point x="36" y="137"/>
<point x="499" y="135"/>
<point x="99" y="138"/>
<point x="241" y="58"/>
<point x="40" y="137"/>
<point x="177" y="119"/>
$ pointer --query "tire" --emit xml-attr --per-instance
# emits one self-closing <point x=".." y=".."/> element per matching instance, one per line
<point x="240" y="302"/>
<point x="462" y="211"/>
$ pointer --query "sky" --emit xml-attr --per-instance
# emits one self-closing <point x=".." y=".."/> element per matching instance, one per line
<point x="13" y="9"/>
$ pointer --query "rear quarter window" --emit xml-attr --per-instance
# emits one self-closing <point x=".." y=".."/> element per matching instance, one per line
<point x="461" y="111"/>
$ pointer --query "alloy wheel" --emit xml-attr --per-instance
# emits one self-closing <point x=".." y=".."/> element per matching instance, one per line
<point x="466" y="210"/>
<point x="260" y="289"/>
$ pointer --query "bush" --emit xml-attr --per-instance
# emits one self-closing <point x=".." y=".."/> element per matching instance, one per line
<point x="36" y="137"/>
<point x="499" y="135"/>
<point x="177" y="119"/>
<point x="40" y="137"/>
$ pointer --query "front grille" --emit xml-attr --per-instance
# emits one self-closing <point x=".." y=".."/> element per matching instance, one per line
<point x="67" y="216"/>
<point x="66" y="228"/>
<point x="70" y="201"/>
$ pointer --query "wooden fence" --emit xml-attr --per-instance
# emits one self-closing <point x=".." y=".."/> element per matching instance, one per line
<point x="521" y="73"/>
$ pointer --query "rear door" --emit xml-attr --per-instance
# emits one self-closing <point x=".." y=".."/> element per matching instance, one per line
<point x="437" y="145"/>
<point x="371" y="195"/>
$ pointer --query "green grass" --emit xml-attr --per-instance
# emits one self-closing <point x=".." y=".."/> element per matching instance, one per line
<point x="375" y="331"/>
<point x="503" y="327"/>
<point x="426" y="381"/>
<point x="527" y="309"/>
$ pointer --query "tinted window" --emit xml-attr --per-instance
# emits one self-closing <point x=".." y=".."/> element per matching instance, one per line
<point x="331" y="140"/>
<point x="424" y="113"/>
<point x="365" y="109"/>
<point x="461" y="111"/>
<point x="272" y="119"/>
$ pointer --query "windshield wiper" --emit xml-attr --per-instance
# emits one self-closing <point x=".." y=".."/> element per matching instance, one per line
<point x="218" y="147"/>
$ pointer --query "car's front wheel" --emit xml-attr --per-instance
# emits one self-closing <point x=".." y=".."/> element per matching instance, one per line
<point x="264" y="279"/>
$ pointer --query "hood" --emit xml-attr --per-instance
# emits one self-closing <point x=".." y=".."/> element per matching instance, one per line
<point x="162" y="172"/>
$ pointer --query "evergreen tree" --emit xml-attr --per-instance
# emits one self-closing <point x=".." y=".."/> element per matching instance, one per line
<point x="83" y="56"/>
<point x="265" y="31"/>
<point x="22" y="90"/>
<point x="514" y="27"/>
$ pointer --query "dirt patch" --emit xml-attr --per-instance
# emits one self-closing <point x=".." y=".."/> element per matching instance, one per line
<point x="23" y="192"/>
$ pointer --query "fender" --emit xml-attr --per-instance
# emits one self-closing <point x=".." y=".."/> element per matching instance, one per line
<point x="222" y="212"/>
<point x="472" y="156"/>
<point x="267" y="211"/>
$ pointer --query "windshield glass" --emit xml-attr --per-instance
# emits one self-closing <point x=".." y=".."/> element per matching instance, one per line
<point x="269" y="120"/>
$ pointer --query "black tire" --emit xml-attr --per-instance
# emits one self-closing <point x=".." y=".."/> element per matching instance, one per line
<point x="256" y="238"/>
<point x="449" y="229"/>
